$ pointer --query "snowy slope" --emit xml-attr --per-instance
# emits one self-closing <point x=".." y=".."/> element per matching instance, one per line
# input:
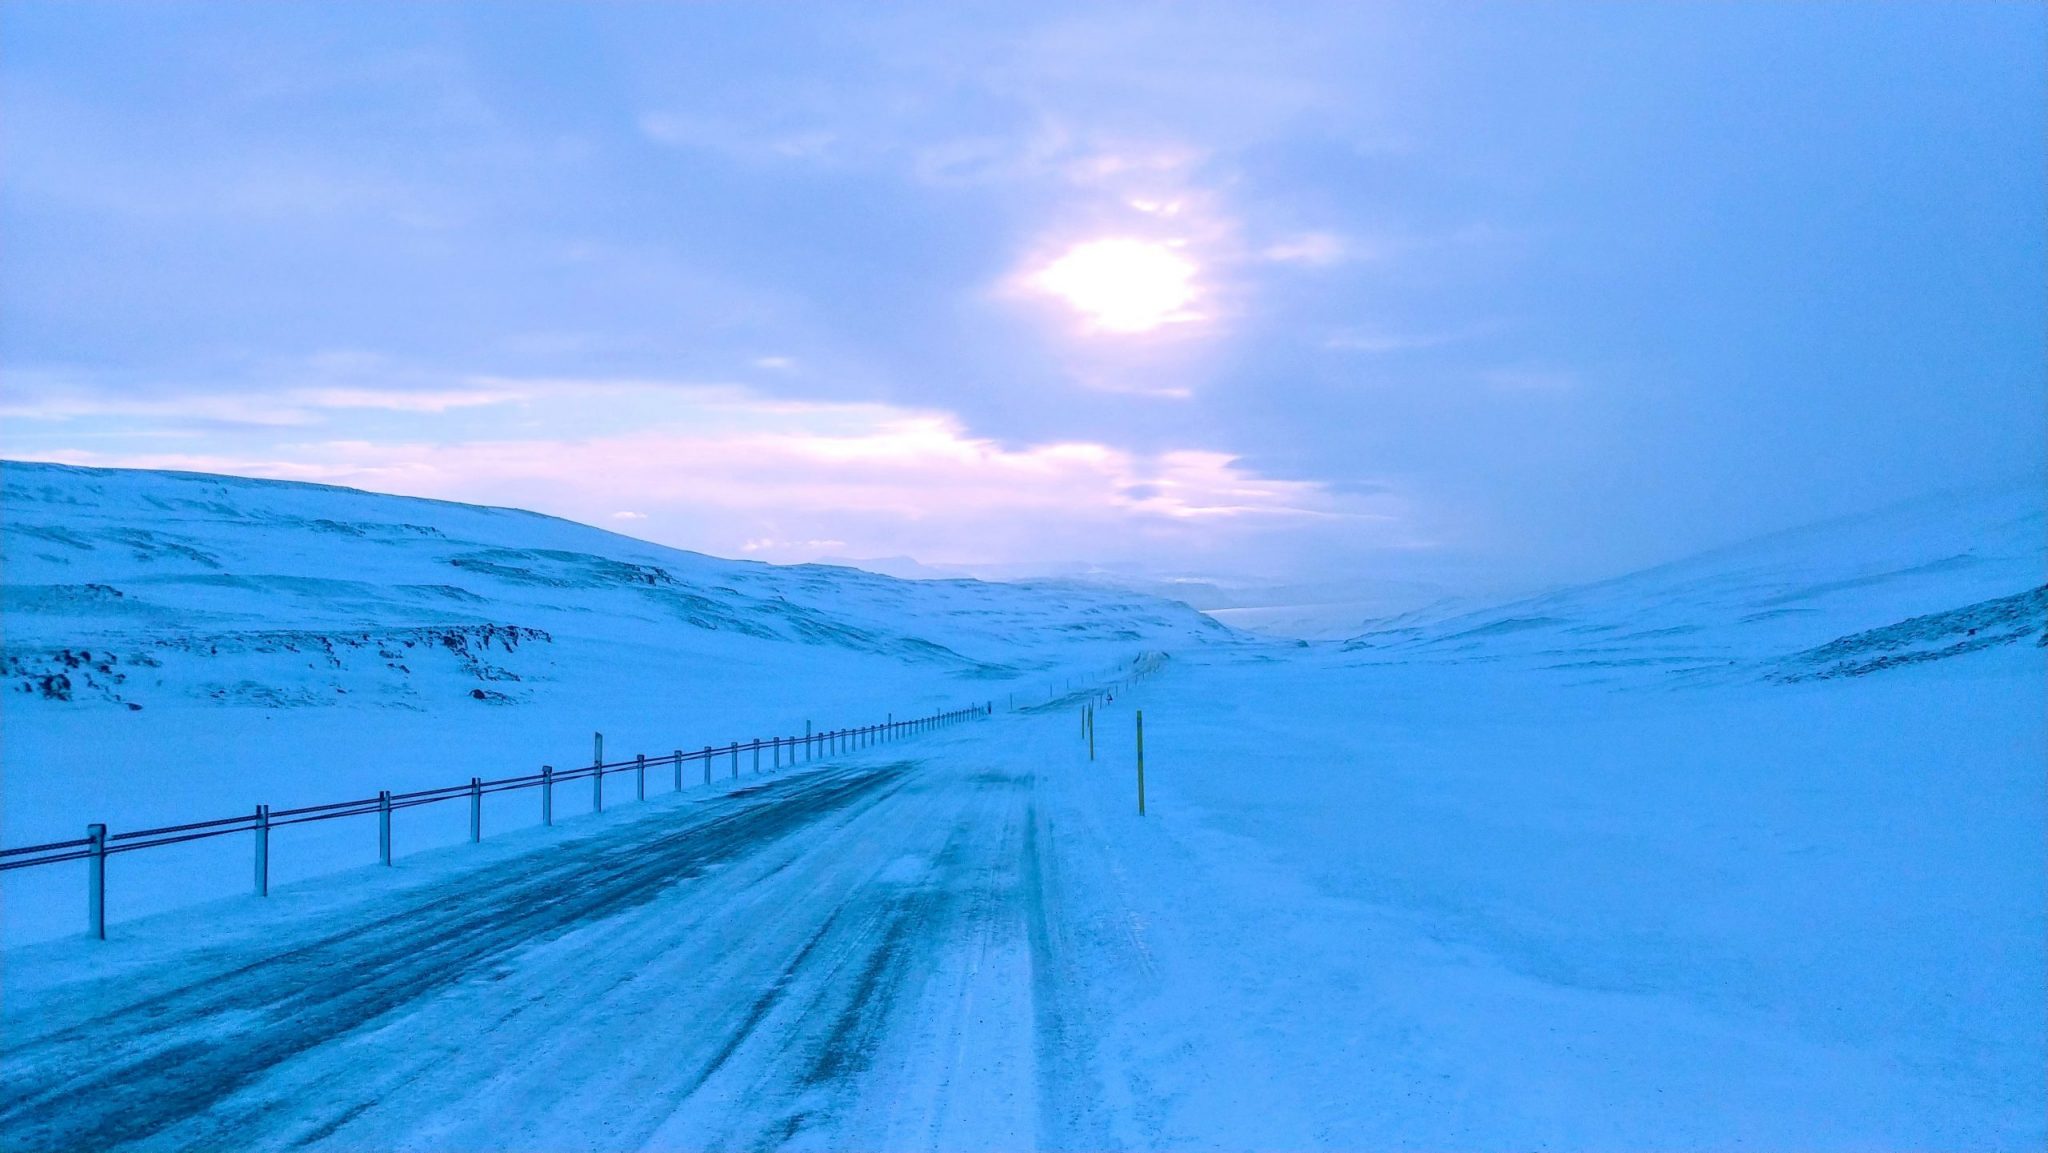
<point x="183" y="646"/>
<point x="1942" y="577"/>
<point x="220" y="588"/>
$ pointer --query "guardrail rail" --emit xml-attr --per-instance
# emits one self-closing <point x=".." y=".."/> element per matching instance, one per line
<point x="98" y="844"/>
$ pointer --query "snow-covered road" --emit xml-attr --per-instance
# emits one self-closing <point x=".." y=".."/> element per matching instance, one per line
<point x="868" y="955"/>
<point x="1464" y="918"/>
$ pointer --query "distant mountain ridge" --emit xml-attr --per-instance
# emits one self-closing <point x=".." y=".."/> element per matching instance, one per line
<point x="1945" y="576"/>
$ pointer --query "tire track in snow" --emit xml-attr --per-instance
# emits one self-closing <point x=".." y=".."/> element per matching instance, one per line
<point x="841" y="1003"/>
<point x="172" y="1056"/>
<point x="698" y="1006"/>
<point x="1069" y="1103"/>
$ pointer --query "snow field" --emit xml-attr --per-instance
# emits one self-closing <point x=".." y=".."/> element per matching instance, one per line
<point x="1596" y="870"/>
<point x="1468" y="910"/>
<point x="1479" y="913"/>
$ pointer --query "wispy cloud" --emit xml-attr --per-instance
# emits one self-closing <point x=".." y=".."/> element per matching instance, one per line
<point x="1381" y="342"/>
<point x="1314" y="249"/>
<point x="732" y="470"/>
<point x="44" y="398"/>
<point x="742" y="140"/>
<point x="403" y="400"/>
<point x="789" y="547"/>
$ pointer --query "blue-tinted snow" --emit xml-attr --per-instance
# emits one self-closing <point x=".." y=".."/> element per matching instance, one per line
<point x="1679" y="860"/>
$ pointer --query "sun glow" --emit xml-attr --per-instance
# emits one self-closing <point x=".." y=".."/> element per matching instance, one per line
<point x="1123" y="285"/>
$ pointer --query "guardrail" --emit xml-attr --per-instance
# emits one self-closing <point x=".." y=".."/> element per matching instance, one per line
<point x="97" y="844"/>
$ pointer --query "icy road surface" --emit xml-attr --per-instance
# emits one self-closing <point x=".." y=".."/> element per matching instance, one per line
<point x="862" y="956"/>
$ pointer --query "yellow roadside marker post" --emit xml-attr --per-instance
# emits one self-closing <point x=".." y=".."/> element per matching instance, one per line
<point x="1141" y="762"/>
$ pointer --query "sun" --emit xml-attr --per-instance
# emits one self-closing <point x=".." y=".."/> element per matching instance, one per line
<point x="1123" y="285"/>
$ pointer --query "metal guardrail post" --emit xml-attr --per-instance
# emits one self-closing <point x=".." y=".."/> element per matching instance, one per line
<point x="707" y="764"/>
<point x="597" y="787"/>
<point x="96" y="882"/>
<point x="262" y="850"/>
<point x="757" y="754"/>
<point x="679" y="770"/>
<point x="640" y="775"/>
<point x="547" y="794"/>
<point x="384" y="825"/>
<point x="476" y="810"/>
<point x="735" y="760"/>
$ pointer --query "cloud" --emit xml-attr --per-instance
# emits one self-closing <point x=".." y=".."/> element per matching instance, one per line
<point x="57" y="398"/>
<point x="1380" y="343"/>
<point x="1314" y="249"/>
<point x="405" y="400"/>
<point x="744" y="142"/>
<point x="729" y="470"/>
<point x="767" y="545"/>
<point x="27" y="404"/>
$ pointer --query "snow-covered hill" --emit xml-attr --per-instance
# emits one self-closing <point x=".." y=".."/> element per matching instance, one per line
<point x="145" y="588"/>
<point x="1943" y="577"/>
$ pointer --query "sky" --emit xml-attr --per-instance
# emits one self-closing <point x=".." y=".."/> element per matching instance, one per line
<point x="1475" y="295"/>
